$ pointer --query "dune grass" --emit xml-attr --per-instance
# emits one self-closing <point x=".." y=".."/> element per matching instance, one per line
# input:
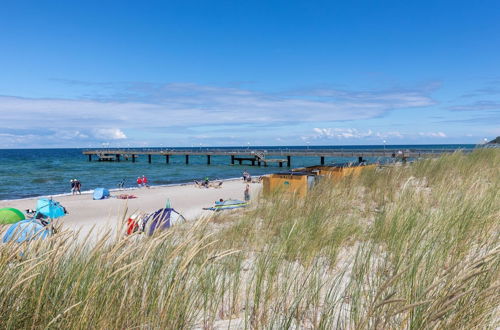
<point x="413" y="246"/>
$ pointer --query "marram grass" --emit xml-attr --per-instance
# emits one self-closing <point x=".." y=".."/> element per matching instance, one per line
<point x="404" y="247"/>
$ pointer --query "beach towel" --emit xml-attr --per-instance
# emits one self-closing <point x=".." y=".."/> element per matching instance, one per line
<point x="125" y="196"/>
<point x="227" y="205"/>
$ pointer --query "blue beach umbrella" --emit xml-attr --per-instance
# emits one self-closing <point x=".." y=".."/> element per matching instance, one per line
<point x="50" y="208"/>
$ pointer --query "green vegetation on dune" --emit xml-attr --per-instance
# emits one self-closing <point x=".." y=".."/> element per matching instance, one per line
<point x="413" y="246"/>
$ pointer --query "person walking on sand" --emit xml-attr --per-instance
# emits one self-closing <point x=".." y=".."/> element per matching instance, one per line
<point x="73" y="189"/>
<point x="78" y="187"/>
<point x="145" y="181"/>
<point x="139" y="182"/>
<point x="246" y="193"/>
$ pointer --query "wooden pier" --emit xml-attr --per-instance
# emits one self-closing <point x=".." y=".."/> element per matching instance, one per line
<point x="260" y="157"/>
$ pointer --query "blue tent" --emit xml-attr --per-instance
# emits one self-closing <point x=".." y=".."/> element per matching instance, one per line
<point x="50" y="208"/>
<point x="26" y="230"/>
<point x="100" y="193"/>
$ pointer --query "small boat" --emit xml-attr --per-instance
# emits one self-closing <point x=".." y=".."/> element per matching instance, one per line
<point x="227" y="205"/>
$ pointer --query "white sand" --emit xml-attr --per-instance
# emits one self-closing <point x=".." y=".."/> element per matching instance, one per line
<point x="189" y="200"/>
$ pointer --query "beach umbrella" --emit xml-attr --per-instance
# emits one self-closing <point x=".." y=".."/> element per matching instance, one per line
<point x="26" y="230"/>
<point x="50" y="208"/>
<point x="10" y="215"/>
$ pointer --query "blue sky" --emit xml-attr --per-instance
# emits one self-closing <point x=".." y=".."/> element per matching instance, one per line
<point x="222" y="73"/>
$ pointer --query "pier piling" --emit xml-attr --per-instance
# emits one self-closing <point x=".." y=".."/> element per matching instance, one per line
<point x="167" y="159"/>
<point x="208" y="159"/>
<point x="149" y="159"/>
<point x="289" y="161"/>
<point x="187" y="159"/>
<point x="322" y="160"/>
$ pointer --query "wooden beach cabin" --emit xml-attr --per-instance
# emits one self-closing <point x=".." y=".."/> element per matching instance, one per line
<point x="336" y="172"/>
<point x="300" y="181"/>
<point x="290" y="183"/>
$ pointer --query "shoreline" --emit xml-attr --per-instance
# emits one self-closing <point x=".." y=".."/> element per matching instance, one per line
<point x="89" y="192"/>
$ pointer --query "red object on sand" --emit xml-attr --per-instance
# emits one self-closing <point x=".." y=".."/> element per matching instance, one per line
<point x="132" y="226"/>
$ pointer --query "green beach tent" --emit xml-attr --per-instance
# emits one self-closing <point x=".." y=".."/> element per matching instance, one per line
<point x="10" y="215"/>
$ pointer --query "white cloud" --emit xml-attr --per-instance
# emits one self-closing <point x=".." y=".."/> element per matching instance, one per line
<point x="353" y="133"/>
<point x="433" y="134"/>
<point x="188" y="104"/>
<point x="341" y="133"/>
<point x="154" y="110"/>
<point x="391" y="134"/>
<point x="109" y="134"/>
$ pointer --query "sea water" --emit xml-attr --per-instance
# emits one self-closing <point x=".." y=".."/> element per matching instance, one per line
<point x="40" y="172"/>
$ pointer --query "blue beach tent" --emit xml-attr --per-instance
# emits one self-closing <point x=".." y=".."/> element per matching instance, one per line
<point x="100" y="193"/>
<point x="26" y="230"/>
<point x="50" y="208"/>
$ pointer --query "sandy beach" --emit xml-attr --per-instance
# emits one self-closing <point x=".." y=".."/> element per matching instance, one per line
<point x="84" y="213"/>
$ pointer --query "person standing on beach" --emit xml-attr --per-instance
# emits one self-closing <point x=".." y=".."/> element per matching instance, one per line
<point x="121" y="184"/>
<point x="145" y="181"/>
<point x="246" y="193"/>
<point x="73" y="189"/>
<point x="139" y="182"/>
<point x="78" y="187"/>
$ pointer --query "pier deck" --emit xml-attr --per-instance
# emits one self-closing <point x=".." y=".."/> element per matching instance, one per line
<point x="260" y="157"/>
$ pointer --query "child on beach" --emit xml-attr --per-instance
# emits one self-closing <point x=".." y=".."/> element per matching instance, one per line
<point x="145" y="181"/>
<point x="139" y="182"/>
<point x="121" y="184"/>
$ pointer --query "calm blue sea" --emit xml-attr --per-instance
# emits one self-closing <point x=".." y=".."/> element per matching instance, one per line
<point x="34" y="172"/>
